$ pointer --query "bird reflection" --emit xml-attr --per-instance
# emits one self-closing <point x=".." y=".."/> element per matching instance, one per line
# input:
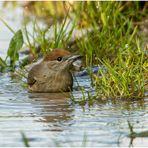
<point x="55" y="107"/>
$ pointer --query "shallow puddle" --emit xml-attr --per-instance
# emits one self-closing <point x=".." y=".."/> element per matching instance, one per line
<point x="52" y="119"/>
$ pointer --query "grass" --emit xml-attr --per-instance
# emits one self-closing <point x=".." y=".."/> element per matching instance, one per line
<point x="56" y="36"/>
<point x="117" y="46"/>
<point x="48" y="38"/>
<point x="124" y="77"/>
<point x="132" y="134"/>
<point x="25" y="140"/>
<point x="114" y="42"/>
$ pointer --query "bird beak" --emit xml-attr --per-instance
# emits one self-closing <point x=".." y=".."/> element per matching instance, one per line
<point x="71" y="59"/>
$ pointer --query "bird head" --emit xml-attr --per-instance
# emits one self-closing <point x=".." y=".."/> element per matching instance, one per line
<point x="64" y="59"/>
<point x="63" y="63"/>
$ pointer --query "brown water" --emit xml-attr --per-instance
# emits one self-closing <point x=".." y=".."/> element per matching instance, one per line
<point x="52" y="119"/>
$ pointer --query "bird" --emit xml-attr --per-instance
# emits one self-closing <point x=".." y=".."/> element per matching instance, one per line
<point x="53" y="73"/>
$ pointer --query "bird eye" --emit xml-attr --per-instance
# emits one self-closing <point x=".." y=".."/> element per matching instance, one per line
<point x="59" y="58"/>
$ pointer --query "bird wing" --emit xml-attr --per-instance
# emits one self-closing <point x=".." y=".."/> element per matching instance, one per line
<point x="37" y="74"/>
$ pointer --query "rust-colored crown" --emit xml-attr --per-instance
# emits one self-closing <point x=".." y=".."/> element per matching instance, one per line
<point x="55" y="53"/>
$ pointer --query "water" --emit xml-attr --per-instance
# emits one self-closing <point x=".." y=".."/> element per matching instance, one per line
<point x="52" y="119"/>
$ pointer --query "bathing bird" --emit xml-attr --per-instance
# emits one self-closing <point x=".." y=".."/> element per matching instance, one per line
<point x="53" y="73"/>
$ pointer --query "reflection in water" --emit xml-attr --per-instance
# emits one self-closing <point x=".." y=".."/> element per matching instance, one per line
<point x="49" y="117"/>
<point x="55" y="107"/>
<point x="103" y="119"/>
<point x="129" y="104"/>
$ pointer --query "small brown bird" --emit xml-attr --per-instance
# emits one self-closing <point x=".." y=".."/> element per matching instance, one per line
<point x="53" y="73"/>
